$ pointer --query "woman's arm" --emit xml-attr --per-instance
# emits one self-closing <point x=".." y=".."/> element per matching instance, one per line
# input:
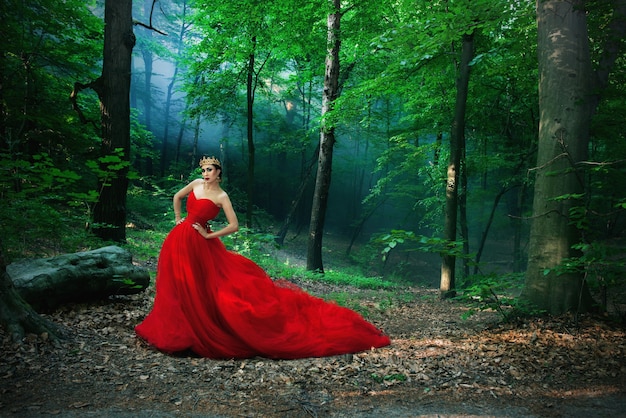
<point x="178" y="199"/>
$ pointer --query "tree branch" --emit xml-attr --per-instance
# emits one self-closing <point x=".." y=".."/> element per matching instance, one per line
<point x="150" y="27"/>
<point x="78" y="87"/>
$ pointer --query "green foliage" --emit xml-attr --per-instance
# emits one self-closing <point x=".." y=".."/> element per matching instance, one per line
<point x="367" y="304"/>
<point x="110" y="166"/>
<point x="150" y="218"/>
<point x="141" y="139"/>
<point x="35" y="228"/>
<point x="46" y="47"/>
<point x="395" y="238"/>
<point x="343" y="276"/>
<point x="248" y="242"/>
<point x="603" y="265"/>
<point x="126" y="282"/>
<point x="25" y="178"/>
<point x="410" y="180"/>
<point x="495" y="292"/>
<point x="348" y="300"/>
<point x="350" y="277"/>
<point x="395" y="377"/>
<point x="34" y="215"/>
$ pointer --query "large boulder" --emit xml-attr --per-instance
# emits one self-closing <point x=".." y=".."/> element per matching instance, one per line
<point x="79" y="277"/>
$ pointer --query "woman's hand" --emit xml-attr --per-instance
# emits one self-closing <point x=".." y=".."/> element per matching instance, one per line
<point x="201" y="229"/>
<point x="179" y="220"/>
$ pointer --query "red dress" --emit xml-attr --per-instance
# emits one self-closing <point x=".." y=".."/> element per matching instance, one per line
<point x="221" y="305"/>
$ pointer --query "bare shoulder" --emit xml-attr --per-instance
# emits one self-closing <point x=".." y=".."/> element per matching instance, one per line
<point x="222" y="198"/>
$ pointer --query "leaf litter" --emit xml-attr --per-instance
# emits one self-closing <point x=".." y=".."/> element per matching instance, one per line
<point x="437" y="365"/>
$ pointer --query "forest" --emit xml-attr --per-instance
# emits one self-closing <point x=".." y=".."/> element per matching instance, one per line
<point x="434" y="133"/>
<point x="473" y="148"/>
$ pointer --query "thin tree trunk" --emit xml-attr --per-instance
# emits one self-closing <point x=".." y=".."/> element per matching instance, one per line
<point x="518" y="258"/>
<point x="168" y="101"/>
<point x="251" y="150"/>
<point x="463" y="224"/>
<point x="146" y="53"/>
<point x="483" y="238"/>
<point x="327" y="142"/>
<point x="179" y="140"/>
<point x="307" y="95"/>
<point x="361" y="222"/>
<point x="166" y="128"/>
<point x="282" y="233"/>
<point x="196" y="136"/>
<point x="457" y="137"/>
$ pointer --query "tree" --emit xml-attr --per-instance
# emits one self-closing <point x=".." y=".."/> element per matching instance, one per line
<point x="327" y="141"/>
<point x="148" y="61"/>
<point x="457" y="151"/>
<point x="114" y="93"/>
<point x="113" y="89"/>
<point x="569" y="92"/>
<point x="46" y="45"/>
<point x="237" y="43"/>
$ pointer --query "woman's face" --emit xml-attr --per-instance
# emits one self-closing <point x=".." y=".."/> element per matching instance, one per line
<point x="210" y="173"/>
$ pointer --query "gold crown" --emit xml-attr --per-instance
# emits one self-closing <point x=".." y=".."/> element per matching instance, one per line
<point x="209" y="160"/>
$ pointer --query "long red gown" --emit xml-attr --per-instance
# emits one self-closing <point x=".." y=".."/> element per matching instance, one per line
<point x="221" y="305"/>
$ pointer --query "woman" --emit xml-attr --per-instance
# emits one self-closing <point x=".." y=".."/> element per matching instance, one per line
<point x="222" y="305"/>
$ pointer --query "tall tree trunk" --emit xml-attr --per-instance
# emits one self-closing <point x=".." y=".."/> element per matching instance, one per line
<point x="146" y="53"/>
<point x="179" y="140"/>
<point x="483" y="237"/>
<point x="251" y="150"/>
<point x="183" y="124"/>
<point x="165" y="160"/>
<point x="567" y="99"/>
<point x="564" y="107"/>
<point x="168" y="98"/>
<point x="195" y="156"/>
<point x="119" y="40"/>
<point x="463" y="223"/>
<point x="327" y="142"/>
<point x="146" y="91"/>
<point x="303" y="214"/>
<point x="457" y="139"/>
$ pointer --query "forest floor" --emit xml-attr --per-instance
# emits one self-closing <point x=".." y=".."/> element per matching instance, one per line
<point x="438" y="365"/>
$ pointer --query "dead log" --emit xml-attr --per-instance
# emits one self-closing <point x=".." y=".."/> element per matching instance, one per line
<point x="79" y="277"/>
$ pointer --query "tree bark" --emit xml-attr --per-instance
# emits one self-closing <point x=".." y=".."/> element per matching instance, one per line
<point x="565" y="108"/>
<point x="327" y="142"/>
<point x="148" y="61"/>
<point x="109" y="214"/>
<point x="80" y="277"/>
<point x="250" y="87"/>
<point x="457" y="140"/>
<point x="170" y="92"/>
